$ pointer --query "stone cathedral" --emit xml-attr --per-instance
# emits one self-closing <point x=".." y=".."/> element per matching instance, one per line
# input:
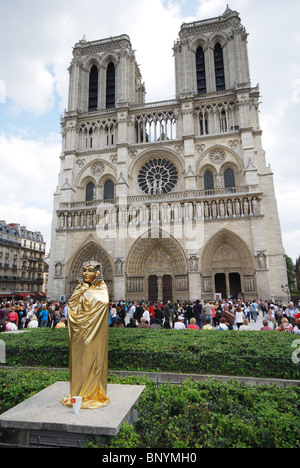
<point x="174" y="198"/>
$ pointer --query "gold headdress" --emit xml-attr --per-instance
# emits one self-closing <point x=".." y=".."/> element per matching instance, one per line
<point x="97" y="266"/>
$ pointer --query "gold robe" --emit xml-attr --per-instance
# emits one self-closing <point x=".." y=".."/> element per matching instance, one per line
<point x="88" y="311"/>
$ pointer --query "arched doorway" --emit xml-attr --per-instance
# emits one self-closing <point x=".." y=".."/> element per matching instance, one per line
<point x="153" y="288"/>
<point x="226" y="264"/>
<point x="156" y="263"/>
<point x="167" y="288"/>
<point x="230" y="286"/>
<point x="89" y="251"/>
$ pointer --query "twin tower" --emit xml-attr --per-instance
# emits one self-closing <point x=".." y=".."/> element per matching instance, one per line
<point x="174" y="198"/>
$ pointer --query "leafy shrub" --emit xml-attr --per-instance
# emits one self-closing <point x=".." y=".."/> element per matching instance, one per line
<point x="253" y="354"/>
<point x="191" y="415"/>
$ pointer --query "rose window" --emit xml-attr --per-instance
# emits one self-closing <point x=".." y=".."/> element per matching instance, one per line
<point x="158" y="176"/>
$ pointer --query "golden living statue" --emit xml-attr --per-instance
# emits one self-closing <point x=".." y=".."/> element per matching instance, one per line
<point x="88" y="311"/>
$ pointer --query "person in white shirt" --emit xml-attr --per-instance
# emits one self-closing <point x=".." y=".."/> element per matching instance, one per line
<point x="9" y="326"/>
<point x="33" y="323"/>
<point x="132" y="310"/>
<point x="245" y="326"/>
<point x="146" y="315"/>
<point x="179" y="325"/>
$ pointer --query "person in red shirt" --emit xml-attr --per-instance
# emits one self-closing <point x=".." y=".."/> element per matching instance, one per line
<point x="12" y="316"/>
<point x="151" y="313"/>
<point x="192" y="325"/>
<point x="285" y="326"/>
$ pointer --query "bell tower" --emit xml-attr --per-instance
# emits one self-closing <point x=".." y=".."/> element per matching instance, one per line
<point x="211" y="56"/>
<point x="103" y="75"/>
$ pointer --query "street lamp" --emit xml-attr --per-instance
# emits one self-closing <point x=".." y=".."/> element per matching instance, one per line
<point x="286" y="289"/>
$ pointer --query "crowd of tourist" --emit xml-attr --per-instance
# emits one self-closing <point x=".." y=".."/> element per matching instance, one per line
<point x="18" y="315"/>
<point x="205" y="315"/>
<point x="197" y="315"/>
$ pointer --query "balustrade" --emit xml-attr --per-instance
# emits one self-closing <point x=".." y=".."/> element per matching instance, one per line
<point x="178" y="206"/>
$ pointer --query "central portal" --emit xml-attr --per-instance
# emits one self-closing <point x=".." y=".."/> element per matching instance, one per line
<point x="153" y="288"/>
<point x="229" y="285"/>
<point x="157" y="284"/>
<point x="157" y="269"/>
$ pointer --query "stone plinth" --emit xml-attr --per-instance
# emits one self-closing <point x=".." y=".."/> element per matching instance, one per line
<point x="44" y="418"/>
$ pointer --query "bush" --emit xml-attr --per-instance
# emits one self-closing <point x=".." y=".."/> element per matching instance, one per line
<point x="216" y="415"/>
<point x="209" y="414"/>
<point x="253" y="354"/>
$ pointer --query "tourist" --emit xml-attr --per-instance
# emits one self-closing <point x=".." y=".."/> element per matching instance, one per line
<point x="131" y="323"/>
<point x="61" y="323"/>
<point x="10" y="326"/>
<point x="156" y="325"/>
<point x="119" y="323"/>
<point x="208" y="311"/>
<point x="222" y="325"/>
<point x="179" y="325"/>
<point x="166" y="310"/>
<point x="266" y="326"/>
<point x="113" y="315"/>
<point x="271" y="315"/>
<point x="296" y="329"/>
<point x="143" y="323"/>
<point x="292" y="311"/>
<point x="207" y="325"/>
<point x="192" y="325"/>
<point x="245" y="326"/>
<point x="285" y="326"/>
<point x="218" y="315"/>
<point x="13" y="317"/>
<point x="254" y="310"/>
<point x="151" y="313"/>
<point x="158" y="313"/>
<point x="44" y="316"/>
<point x="33" y="323"/>
<point x="239" y="317"/>
<point x="197" y="312"/>
<point x="146" y="314"/>
<point x="132" y="309"/>
<point x="229" y="317"/>
<point x="247" y="311"/>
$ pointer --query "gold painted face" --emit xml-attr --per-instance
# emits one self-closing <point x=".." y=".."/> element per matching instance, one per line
<point x="89" y="274"/>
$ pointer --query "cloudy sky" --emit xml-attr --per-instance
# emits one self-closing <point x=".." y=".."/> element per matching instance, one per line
<point x="37" y="37"/>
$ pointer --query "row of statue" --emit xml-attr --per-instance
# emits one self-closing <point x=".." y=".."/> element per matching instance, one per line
<point x="159" y="212"/>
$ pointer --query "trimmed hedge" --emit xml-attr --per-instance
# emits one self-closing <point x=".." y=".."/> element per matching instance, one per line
<point x="252" y="354"/>
<point x="194" y="414"/>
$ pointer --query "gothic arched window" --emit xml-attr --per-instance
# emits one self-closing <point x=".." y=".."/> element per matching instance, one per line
<point x="109" y="190"/>
<point x="208" y="181"/>
<point x="110" y="86"/>
<point x="90" y="192"/>
<point x="200" y="69"/>
<point x="93" y="89"/>
<point x="229" y="179"/>
<point x="219" y="67"/>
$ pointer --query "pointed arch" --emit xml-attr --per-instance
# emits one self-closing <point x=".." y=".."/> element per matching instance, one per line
<point x="93" y="89"/>
<point x="219" y="67"/>
<point x="144" y="248"/>
<point x="227" y="251"/>
<point x="110" y="86"/>
<point x="90" y="250"/>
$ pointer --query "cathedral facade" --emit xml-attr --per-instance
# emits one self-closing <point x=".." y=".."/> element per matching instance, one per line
<point x="174" y="198"/>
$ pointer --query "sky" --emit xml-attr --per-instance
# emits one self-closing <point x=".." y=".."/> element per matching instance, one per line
<point x="37" y="38"/>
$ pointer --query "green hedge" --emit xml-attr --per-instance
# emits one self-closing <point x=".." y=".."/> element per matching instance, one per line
<point x="253" y="354"/>
<point x="207" y="414"/>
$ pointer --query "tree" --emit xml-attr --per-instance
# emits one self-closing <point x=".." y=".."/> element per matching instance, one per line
<point x="290" y="266"/>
